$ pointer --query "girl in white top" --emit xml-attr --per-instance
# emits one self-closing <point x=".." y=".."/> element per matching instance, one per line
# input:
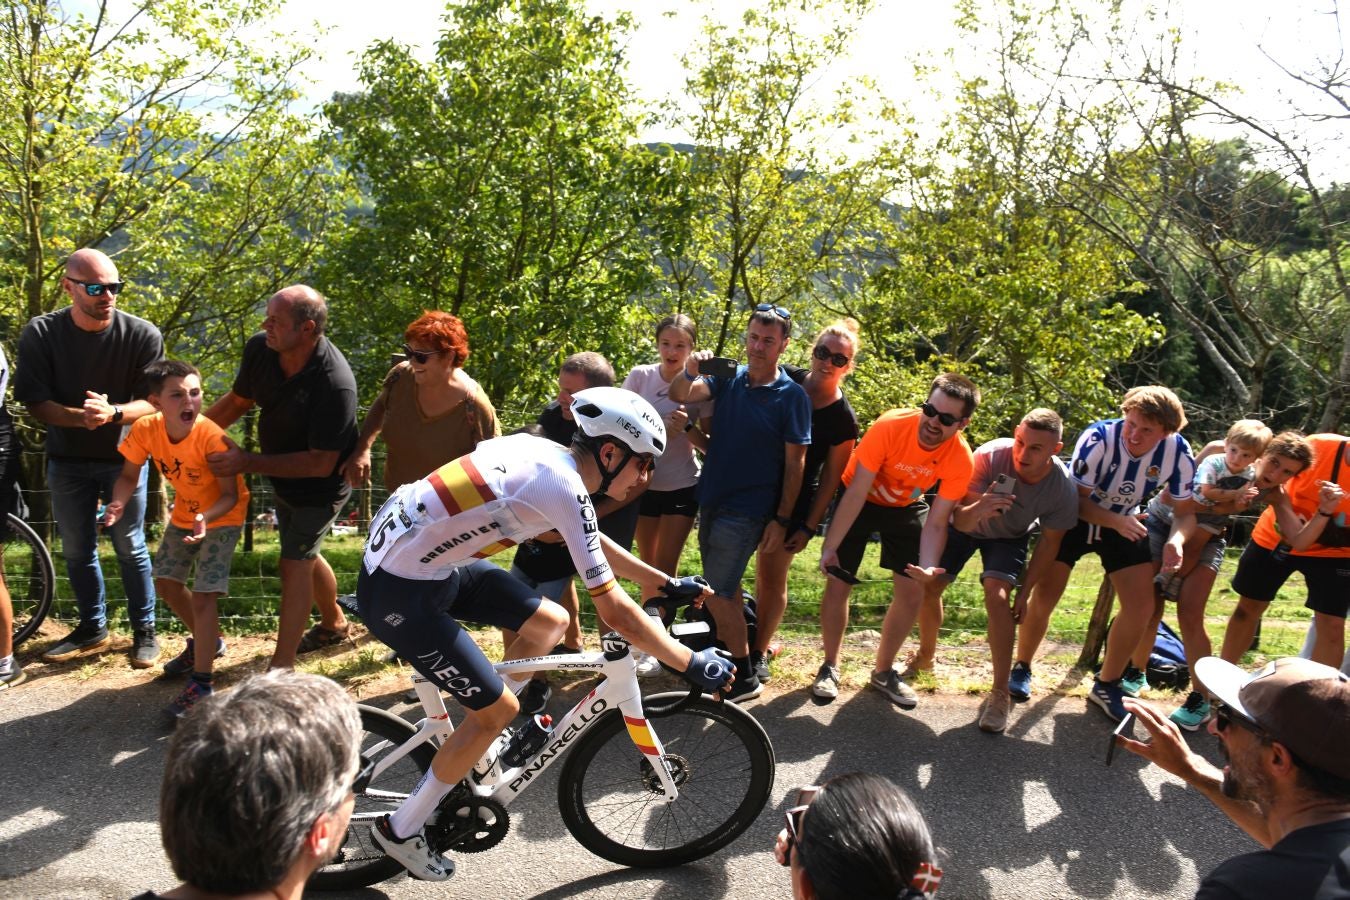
<point x="667" y="509"/>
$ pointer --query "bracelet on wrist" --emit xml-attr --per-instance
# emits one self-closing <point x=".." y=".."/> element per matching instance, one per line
<point x="689" y="426"/>
<point x="1327" y="514"/>
<point x="688" y="377"/>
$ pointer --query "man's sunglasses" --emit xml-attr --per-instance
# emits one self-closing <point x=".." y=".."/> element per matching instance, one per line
<point x="420" y="356"/>
<point x="363" y="776"/>
<point x="823" y="353"/>
<point x="1225" y="715"/>
<point x="96" y="289"/>
<point x="947" y="419"/>
<point x="778" y="311"/>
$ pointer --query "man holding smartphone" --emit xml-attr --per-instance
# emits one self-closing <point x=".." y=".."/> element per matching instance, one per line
<point x="1284" y="732"/>
<point x="761" y="427"/>
<point x="1018" y="483"/>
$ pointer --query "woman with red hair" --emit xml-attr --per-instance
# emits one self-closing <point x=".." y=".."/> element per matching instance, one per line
<point x="430" y="410"/>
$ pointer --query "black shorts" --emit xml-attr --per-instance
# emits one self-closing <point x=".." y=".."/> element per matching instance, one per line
<point x="1115" y="551"/>
<point x="679" y="502"/>
<point x="418" y="618"/>
<point x="1002" y="558"/>
<point x="899" y="526"/>
<point x="1260" y="576"/>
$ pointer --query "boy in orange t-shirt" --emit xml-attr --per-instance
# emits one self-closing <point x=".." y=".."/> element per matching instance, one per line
<point x="901" y="456"/>
<point x="208" y="514"/>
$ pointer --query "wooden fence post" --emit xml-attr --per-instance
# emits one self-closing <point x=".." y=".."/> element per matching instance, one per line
<point x="1096" y="630"/>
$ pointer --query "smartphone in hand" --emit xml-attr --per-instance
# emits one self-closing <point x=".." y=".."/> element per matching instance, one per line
<point x="1126" y="728"/>
<point x="1003" y="484"/>
<point x="717" y="367"/>
<point x="843" y="574"/>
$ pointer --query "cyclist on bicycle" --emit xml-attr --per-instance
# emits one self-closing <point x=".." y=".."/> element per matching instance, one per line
<point x="425" y="567"/>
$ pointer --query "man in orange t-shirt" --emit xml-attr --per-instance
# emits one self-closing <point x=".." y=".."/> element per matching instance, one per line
<point x="1320" y="498"/>
<point x="901" y="457"/>
<point x="208" y="514"/>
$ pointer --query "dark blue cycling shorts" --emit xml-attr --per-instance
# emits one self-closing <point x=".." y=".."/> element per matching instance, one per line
<point x="418" y="618"/>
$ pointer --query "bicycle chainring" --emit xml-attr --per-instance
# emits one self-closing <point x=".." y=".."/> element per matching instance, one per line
<point x="468" y="824"/>
<point x="679" y="773"/>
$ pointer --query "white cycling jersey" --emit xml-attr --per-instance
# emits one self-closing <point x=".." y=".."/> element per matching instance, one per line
<point x="508" y="490"/>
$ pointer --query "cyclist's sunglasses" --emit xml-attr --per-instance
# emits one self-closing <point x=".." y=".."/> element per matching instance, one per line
<point x="645" y="462"/>
<point x="96" y="289"/>
<point x="778" y="311"/>
<point x="947" y="419"/>
<point x="1225" y="715"/>
<point x="823" y="353"/>
<point x="420" y="356"/>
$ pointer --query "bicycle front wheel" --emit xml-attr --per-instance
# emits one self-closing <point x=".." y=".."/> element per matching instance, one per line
<point x="613" y="803"/>
<point x="28" y="575"/>
<point x="361" y="862"/>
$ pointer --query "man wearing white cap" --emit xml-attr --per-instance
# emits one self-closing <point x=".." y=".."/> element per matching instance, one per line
<point x="1285" y="732"/>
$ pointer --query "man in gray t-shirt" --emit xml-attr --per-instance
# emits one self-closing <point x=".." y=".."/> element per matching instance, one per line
<point x="1018" y="484"/>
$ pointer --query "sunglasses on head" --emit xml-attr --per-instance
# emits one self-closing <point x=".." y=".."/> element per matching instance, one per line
<point x="420" y="356"/>
<point x="927" y="877"/>
<point x="947" y="419"/>
<point x="778" y="311"/>
<point x="96" y="289"/>
<point x="805" y="795"/>
<point x="1225" y="715"/>
<point x="823" y="353"/>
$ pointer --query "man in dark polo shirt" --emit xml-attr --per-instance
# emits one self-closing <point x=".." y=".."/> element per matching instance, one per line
<point x="79" y="373"/>
<point x="305" y="391"/>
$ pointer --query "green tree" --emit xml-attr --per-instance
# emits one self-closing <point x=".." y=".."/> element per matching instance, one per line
<point x="776" y="211"/>
<point x="988" y="274"/>
<point x="505" y="187"/>
<point x="159" y="133"/>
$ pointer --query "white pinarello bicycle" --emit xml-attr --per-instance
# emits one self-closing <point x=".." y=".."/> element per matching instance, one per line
<point x="648" y="782"/>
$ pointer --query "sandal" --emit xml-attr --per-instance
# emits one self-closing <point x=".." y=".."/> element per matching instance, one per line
<point x="319" y="637"/>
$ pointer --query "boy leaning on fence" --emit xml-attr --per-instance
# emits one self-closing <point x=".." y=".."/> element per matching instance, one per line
<point x="208" y="514"/>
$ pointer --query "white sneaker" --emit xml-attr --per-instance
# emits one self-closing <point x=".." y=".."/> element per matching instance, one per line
<point x="647" y="665"/>
<point x="827" y="682"/>
<point x="413" y="853"/>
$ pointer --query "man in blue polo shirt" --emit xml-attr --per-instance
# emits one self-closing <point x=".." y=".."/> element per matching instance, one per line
<point x="760" y="429"/>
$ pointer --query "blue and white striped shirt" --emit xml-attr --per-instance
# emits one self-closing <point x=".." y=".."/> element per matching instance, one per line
<point x="1120" y="482"/>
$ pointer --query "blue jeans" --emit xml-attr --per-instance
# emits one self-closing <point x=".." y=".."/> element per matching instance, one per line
<point x="726" y="541"/>
<point x="78" y="486"/>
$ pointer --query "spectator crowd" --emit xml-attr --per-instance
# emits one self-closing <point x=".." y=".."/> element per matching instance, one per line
<point x="763" y="457"/>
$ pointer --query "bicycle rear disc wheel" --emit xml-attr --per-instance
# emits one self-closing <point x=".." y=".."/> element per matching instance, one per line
<point x="613" y="803"/>
<point x="28" y="575"/>
<point x="361" y="862"/>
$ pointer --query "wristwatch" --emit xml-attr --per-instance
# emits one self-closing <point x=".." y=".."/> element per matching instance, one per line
<point x="117" y="414"/>
<point x="783" y="520"/>
<point x="689" y="426"/>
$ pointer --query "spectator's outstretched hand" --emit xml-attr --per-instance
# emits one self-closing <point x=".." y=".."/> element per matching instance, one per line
<point x="1166" y="749"/>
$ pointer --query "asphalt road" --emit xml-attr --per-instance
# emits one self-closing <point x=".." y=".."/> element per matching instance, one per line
<point x="1032" y="813"/>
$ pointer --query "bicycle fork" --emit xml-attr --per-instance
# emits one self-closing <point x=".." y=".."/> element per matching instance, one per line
<point x="649" y="745"/>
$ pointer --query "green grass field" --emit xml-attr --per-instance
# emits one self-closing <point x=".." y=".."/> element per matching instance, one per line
<point x="255" y="587"/>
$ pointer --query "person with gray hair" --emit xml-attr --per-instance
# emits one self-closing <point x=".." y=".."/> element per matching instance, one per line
<point x="306" y="395"/>
<point x="258" y="787"/>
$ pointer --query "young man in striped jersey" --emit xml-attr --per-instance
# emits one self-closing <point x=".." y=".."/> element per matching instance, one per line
<point x="1117" y="464"/>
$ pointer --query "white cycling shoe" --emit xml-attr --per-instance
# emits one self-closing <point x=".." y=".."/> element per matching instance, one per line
<point x="413" y="853"/>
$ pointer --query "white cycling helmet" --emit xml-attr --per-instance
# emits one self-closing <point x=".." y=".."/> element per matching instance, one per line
<point x="619" y="415"/>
